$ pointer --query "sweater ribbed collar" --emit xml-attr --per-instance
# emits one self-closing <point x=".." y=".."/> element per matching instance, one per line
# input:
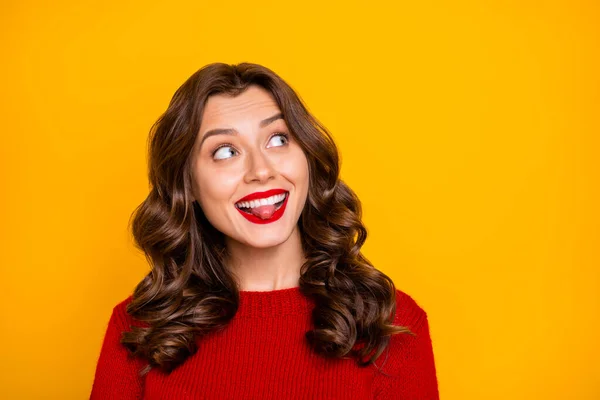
<point x="289" y="301"/>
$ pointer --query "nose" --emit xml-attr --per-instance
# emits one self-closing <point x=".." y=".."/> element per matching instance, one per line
<point x="259" y="168"/>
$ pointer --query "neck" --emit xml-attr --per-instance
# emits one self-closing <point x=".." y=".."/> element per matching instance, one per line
<point x="265" y="269"/>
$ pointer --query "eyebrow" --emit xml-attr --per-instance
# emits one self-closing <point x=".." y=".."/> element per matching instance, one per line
<point x="230" y="131"/>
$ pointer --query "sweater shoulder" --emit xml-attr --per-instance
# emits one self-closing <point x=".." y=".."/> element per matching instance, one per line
<point x="409" y="312"/>
<point x="407" y="364"/>
<point x="122" y="318"/>
<point x="405" y="349"/>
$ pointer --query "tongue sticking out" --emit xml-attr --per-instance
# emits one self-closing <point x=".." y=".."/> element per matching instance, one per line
<point x="263" y="212"/>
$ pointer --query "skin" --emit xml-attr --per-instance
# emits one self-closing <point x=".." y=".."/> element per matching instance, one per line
<point x="263" y="256"/>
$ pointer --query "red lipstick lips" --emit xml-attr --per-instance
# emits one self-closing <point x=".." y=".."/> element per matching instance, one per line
<point x="262" y="195"/>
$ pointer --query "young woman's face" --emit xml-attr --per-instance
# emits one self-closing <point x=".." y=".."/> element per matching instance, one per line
<point x="249" y="176"/>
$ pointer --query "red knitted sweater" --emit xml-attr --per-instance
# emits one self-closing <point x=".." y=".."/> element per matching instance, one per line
<point x="262" y="354"/>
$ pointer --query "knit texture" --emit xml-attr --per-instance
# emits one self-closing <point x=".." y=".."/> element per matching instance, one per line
<point x="263" y="354"/>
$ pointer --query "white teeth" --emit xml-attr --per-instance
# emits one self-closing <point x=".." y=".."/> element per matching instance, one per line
<point x="262" y="202"/>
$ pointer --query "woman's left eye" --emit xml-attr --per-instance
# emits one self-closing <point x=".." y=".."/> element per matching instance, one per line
<point x="279" y="139"/>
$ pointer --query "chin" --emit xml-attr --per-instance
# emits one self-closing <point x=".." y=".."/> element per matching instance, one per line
<point x="263" y="244"/>
<point x="261" y="236"/>
<point x="266" y="239"/>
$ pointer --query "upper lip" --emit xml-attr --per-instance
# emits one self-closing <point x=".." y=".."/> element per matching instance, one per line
<point x="262" y="195"/>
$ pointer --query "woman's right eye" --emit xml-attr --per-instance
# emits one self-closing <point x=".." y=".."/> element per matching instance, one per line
<point x="224" y="152"/>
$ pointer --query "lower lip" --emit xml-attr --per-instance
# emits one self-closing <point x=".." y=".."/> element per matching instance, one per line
<point x="276" y="215"/>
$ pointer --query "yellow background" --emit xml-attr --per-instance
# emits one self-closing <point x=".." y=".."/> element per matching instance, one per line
<point x="468" y="129"/>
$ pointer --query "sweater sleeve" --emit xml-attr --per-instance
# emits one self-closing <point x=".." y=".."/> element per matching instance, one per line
<point x="116" y="374"/>
<point x="408" y="360"/>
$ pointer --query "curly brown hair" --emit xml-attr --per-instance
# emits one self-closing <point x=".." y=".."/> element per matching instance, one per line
<point x="189" y="291"/>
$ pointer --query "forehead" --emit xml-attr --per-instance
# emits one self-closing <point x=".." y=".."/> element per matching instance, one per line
<point x="255" y="103"/>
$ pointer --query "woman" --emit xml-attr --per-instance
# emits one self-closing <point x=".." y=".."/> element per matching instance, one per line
<point x="258" y="288"/>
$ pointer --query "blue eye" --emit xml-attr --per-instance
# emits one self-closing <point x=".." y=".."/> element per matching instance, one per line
<point x="281" y="139"/>
<point x="224" y="152"/>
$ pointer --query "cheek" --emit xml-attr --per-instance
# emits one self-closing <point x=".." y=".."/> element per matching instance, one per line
<point x="295" y="167"/>
<point x="215" y="187"/>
